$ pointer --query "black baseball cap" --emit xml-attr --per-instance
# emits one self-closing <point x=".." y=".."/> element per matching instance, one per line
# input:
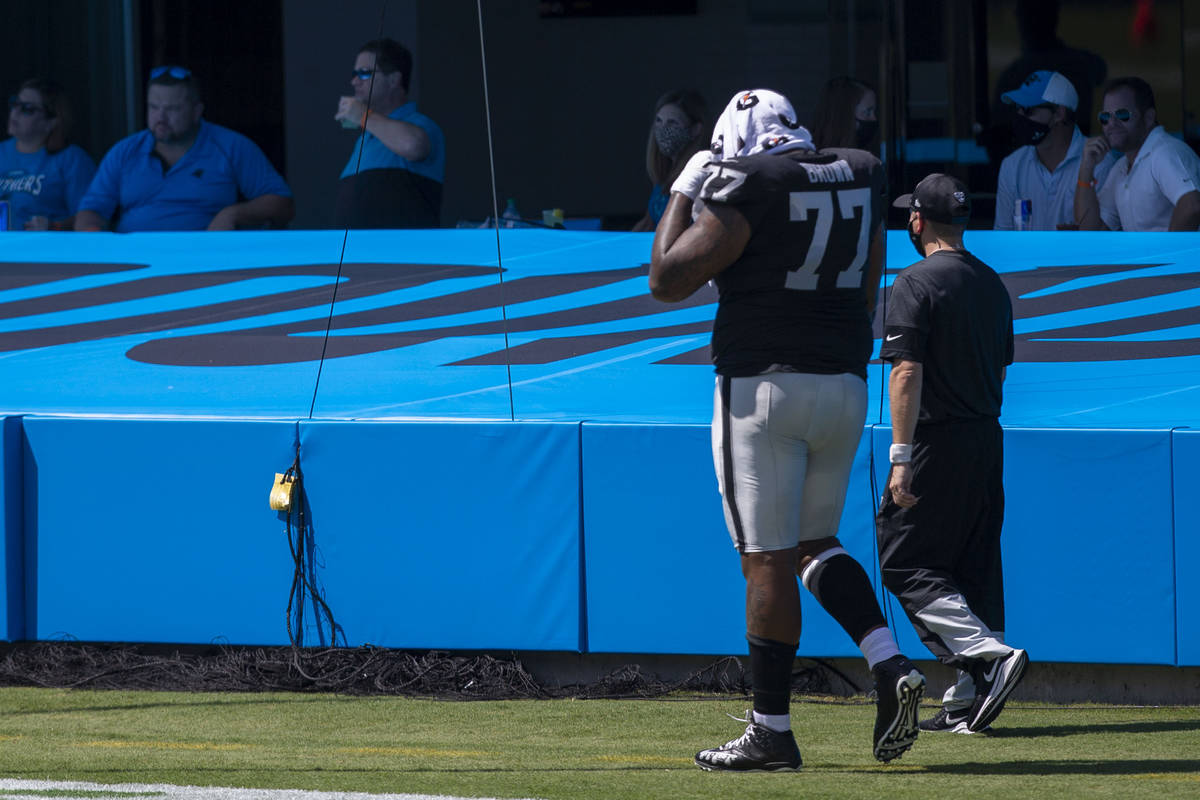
<point x="941" y="198"/>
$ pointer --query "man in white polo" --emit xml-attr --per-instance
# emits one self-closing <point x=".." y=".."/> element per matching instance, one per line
<point x="1045" y="167"/>
<point x="1154" y="187"/>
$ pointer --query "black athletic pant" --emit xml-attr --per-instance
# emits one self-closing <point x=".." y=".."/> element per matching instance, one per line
<point x="946" y="548"/>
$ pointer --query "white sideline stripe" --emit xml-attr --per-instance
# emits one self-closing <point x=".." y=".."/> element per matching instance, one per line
<point x="151" y="791"/>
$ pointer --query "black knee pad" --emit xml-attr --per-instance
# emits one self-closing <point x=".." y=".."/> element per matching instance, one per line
<point x="841" y="586"/>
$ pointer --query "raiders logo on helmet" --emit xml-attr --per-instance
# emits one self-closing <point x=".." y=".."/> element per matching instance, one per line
<point x="748" y="100"/>
<point x="775" y="141"/>
<point x="718" y="144"/>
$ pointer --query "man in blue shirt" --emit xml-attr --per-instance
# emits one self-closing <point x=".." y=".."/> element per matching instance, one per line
<point x="394" y="176"/>
<point x="183" y="173"/>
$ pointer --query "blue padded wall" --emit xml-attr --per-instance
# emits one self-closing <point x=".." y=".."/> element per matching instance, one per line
<point x="663" y="575"/>
<point x="156" y="530"/>
<point x="448" y="535"/>
<point x="1091" y="573"/>
<point x="1186" y="458"/>
<point x="12" y="545"/>
<point x="1088" y="577"/>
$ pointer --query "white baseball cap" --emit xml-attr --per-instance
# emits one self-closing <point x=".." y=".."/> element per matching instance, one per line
<point x="1043" y="87"/>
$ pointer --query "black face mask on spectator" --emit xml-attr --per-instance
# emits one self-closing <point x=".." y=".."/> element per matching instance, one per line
<point x="864" y="132"/>
<point x="671" y="139"/>
<point x="1028" y="131"/>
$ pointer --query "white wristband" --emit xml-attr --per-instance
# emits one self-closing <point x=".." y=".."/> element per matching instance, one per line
<point x="900" y="453"/>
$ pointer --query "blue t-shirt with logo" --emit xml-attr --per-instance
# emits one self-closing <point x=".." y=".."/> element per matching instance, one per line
<point x="43" y="184"/>
<point x="222" y="167"/>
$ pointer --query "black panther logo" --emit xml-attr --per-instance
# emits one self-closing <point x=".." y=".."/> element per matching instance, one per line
<point x="630" y="316"/>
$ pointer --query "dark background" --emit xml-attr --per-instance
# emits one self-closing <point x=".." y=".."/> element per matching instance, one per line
<point x="569" y="97"/>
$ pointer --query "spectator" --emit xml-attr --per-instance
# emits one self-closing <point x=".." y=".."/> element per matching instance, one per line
<point x="1041" y="48"/>
<point x="44" y="177"/>
<point x="846" y="115"/>
<point x="1154" y="187"/>
<point x="1044" y="168"/>
<point x="184" y="173"/>
<point x="394" y="176"/>
<point x="678" y="132"/>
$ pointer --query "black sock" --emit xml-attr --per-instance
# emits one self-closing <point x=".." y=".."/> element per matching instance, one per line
<point x="841" y="586"/>
<point x="771" y="674"/>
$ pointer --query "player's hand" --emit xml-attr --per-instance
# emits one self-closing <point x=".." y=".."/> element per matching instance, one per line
<point x="695" y="173"/>
<point x="350" y="112"/>
<point x="1094" y="151"/>
<point x="899" y="481"/>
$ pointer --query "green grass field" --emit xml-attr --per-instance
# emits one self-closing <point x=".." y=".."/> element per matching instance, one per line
<point x="578" y="749"/>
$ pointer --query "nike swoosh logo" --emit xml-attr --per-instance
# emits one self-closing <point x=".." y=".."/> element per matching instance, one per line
<point x="989" y="675"/>
<point x="893" y="338"/>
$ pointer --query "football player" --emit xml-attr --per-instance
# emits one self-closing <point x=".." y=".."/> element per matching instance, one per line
<point x="793" y="238"/>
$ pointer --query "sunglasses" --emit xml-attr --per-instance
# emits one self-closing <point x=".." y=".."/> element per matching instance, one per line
<point x="28" y="109"/>
<point x="1123" y="114"/>
<point x="362" y="74"/>
<point x="178" y="73"/>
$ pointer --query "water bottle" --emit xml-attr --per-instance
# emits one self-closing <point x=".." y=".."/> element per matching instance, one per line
<point x="1022" y="214"/>
<point x="511" y="217"/>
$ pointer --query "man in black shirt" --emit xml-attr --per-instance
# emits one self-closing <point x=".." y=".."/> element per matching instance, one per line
<point x="793" y="239"/>
<point x="949" y="337"/>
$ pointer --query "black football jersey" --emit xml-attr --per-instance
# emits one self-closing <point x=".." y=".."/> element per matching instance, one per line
<point x="797" y="296"/>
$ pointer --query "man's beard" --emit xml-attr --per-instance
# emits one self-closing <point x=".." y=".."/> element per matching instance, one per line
<point x="178" y="138"/>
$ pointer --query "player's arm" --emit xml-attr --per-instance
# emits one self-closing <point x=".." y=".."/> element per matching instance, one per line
<point x="687" y="255"/>
<point x="904" y="396"/>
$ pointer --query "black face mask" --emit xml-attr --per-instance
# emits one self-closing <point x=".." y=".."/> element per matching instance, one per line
<point x="916" y="240"/>
<point x="864" y="132"/>
<point x="1027" y="131"/>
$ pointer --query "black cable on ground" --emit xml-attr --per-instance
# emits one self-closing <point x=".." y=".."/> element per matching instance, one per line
<point x="364" y="670"/>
